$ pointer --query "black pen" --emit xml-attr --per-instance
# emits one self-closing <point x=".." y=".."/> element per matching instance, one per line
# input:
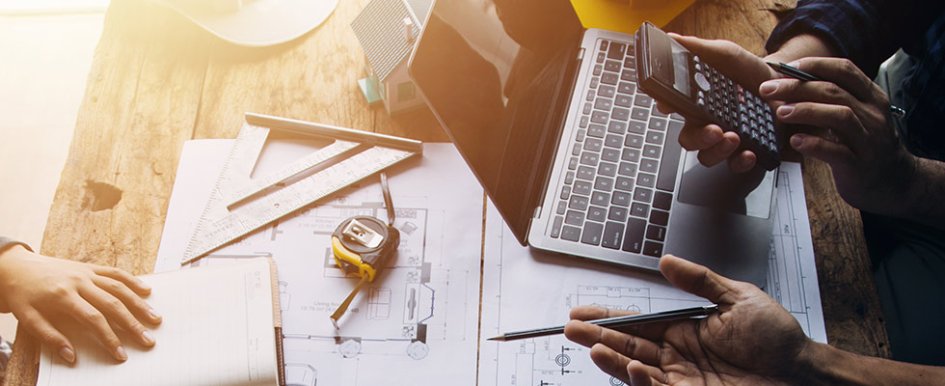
<point x="616" y="322"/>
<point x="793" y="72"/>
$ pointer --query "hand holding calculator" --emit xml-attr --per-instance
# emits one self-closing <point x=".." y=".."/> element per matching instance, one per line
<point x="674" y="76"/>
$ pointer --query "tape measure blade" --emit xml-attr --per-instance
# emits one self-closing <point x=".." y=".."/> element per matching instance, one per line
<point x="311" y="160"/>
<point x="258" y="213"/>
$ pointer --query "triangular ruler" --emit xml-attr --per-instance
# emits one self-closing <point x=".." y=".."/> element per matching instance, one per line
<point x="240" y="204"/>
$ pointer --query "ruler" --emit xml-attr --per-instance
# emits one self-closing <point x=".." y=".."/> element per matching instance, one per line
<point x="240" y="204"/>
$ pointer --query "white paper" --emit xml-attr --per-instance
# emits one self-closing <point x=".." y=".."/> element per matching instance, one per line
<point x="525" y="288"/>
<point x="416" y="324"/>
<point x="217" y="329"/>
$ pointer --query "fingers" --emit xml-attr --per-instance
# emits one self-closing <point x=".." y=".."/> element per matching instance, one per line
<point x="640" y="374"/>
<point x="842" y="72"/>
<point x="720" y="151"/>
<point x="594" y="312"/>
<point x="635" y="347"/>
<point x="793" y="90"/>
<point x="742" y="162"/>
<point x="88" y="316"/>
<point x="840" y="119"/>
<point x="140" y="287"/>
<point x="141" y="309"/>
<point x="822" y="149"/>
<point x="697" y="279"/>
<point x="698" y="137"/>
<point x="39" y="327"/>
<point x="116" y="311"/>
<point x="736" y="62"/>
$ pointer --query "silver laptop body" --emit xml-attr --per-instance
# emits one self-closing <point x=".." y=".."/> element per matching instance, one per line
<point x="576" y="159"/>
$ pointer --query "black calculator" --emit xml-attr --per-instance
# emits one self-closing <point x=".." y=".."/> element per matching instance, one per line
<point x="673" y="75"/>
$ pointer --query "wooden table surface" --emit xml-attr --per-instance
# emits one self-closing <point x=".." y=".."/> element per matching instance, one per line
<point x="158" y="81"/>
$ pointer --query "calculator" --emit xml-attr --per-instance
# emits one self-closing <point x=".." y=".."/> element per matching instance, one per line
<point x="673" y="75"/>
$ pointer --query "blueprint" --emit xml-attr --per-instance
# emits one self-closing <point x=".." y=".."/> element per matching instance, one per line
<point x="525" y="288"/>
<point x="416" y="323"/>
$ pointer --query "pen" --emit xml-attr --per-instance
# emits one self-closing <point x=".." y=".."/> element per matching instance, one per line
<point x="795" y="73"/>
<point x="792" y="72"/>
<point x="616" y="322"/>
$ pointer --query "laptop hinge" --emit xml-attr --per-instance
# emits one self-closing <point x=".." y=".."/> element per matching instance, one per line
<point x="580" y="55"/>
<point x="537" y="213"/>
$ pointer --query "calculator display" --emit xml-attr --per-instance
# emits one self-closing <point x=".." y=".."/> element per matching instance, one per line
<point x="680" y="69"/>
<point x="678" y="78"/>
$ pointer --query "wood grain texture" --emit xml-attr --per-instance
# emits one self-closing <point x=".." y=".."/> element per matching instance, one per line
<point x="158" y="81"/>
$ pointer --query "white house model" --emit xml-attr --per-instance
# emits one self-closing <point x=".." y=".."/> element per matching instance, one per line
<point x="387" y="31"/>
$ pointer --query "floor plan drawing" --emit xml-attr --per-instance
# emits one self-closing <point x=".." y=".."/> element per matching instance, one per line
<point x="525" y="288"/>
<point x="792" y="272"/>
<point x="419" y="313"/>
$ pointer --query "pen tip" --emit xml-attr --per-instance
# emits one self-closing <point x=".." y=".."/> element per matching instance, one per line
<point x="496" y="338"/>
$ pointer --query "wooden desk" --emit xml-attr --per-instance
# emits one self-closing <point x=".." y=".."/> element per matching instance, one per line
<point x="158" y="81"/>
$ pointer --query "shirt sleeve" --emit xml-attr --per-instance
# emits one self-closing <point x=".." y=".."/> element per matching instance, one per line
<point x="865" y="31"/>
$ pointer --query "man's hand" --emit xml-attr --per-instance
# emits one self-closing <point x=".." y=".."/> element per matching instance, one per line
<point x="44" y="292"/>
<point x="871" y="167"/>
<point x="751" y="341"/>
<point x="743" y="68"/>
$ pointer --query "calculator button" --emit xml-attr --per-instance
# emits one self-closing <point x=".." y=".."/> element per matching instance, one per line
<point x="702" y="82"/>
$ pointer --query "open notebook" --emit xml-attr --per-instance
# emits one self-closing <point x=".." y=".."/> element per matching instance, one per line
<point x="220" y="327"/>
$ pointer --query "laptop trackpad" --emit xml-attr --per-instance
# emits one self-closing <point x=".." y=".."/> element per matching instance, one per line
<point x="718" y="188"/>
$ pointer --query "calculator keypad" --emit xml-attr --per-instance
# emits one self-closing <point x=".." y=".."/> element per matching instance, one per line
<point x="736" y="109"/>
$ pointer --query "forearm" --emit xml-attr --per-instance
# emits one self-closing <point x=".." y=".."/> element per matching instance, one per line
<point x="826" y="365"/>
<point x="926" y="192"/>
<point x="801" y="46"/>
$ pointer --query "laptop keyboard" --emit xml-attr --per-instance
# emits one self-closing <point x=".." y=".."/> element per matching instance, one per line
<point x="616" y="192"/>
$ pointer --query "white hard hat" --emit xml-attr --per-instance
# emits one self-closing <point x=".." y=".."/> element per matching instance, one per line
<point x="255" y="22"/>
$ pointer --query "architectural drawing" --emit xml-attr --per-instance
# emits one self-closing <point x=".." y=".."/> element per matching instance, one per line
<point x="417" y="320"/>
<point x="516" y="276"/>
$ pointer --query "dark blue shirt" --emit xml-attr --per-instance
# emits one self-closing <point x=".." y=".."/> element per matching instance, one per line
<point x="870" y="31"/>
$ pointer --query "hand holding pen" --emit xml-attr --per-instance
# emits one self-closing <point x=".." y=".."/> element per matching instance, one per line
<point x="872" y="169"/>
<point x="751" y="339"/>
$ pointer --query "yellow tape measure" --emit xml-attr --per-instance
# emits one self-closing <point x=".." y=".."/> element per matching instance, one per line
<point x="362" y="246"/>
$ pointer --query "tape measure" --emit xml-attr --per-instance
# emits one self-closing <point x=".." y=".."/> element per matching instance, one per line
<point x="240" y="203"/>
<point x="362" y="246"/>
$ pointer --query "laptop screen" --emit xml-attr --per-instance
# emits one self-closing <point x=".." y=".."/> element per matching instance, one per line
<point x="498" y="76"/>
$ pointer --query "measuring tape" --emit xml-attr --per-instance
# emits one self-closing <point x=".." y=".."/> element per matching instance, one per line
<point x="240" y="204"/>
<point x="362" y="245"/>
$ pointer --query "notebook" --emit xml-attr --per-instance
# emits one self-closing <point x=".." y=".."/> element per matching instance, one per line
<point x="220" y="327"/>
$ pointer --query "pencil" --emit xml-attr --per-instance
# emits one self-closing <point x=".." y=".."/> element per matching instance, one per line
<point x="615" y="322"/>
<point x="792" y="72"/>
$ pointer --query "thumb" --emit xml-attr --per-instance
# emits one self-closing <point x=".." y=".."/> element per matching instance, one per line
<point x="745" y="68"/>
<point x="698" y="280"/>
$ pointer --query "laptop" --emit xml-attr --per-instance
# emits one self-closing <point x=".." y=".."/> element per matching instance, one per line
<point x="574" y="156"/>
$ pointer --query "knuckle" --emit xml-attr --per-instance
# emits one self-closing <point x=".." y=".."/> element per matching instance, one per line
<point x="115" y="305"/>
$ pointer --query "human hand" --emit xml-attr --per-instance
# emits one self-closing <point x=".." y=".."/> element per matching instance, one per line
<point x="872" y="169"/>
<point x="744" y="68"/>
<point x="44" y="293"/>
<point x="752" y="339"/>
